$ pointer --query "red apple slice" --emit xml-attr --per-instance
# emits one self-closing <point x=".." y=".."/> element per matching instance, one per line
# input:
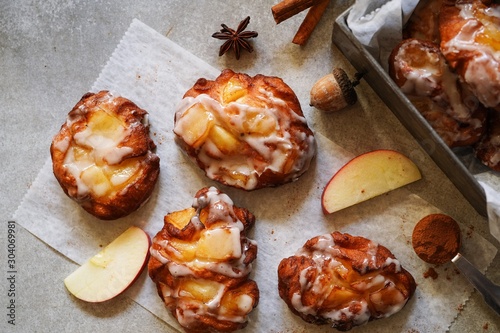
<point x="367" y="176"/>
<point x="113" y="269"/>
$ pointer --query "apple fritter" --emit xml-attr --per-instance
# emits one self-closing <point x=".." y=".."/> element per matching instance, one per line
<point x="419" y="68"/>
<point x="246" y="132"/>
<point x="103" y="155"/>
<point x="488" y="149"/>
<point x="424" y="21"/>
<point x="470" y="42"/>
<point x="343" y="281"/>
<point x="201" y="261"/>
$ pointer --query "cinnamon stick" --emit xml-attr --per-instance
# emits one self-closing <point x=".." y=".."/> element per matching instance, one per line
<point x="310" y="21"/>
<point x="288" y="8"/>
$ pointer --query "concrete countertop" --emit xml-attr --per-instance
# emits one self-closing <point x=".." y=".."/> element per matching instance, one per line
<point x="50" y="54"/>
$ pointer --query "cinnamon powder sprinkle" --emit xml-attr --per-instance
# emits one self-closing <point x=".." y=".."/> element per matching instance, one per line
<point x="436" y="238"/>
<point x="431" y="272"/>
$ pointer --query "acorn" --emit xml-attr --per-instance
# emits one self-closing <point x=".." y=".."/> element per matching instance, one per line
<point x="334" y="91"/>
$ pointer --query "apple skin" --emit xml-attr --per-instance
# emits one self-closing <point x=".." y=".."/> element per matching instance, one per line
<point x="366" y="176"/>
<point x="111" y="271"/>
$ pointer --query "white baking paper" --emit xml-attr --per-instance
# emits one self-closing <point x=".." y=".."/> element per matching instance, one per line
<point x="154" y="72"/>
<point x="491" y="185"/>
<point x="378" y="25"/>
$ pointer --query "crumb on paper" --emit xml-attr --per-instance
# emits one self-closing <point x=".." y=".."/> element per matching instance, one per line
<point x="431" y="273"/>
<point x="411" y="330"/>
<point x="470" y="231"/>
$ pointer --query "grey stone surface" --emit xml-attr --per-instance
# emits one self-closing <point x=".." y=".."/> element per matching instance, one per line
<point x="51" y="52"/>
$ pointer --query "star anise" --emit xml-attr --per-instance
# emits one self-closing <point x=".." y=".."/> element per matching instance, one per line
<point x="235" y="39"/>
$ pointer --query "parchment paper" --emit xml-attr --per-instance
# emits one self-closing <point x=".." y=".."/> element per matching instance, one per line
<point x="154" y="72"/>
<point x="378" y="25"/>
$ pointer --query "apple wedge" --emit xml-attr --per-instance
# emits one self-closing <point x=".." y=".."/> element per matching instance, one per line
<point x="367" y="176"/>
<point x="113" y="269"/>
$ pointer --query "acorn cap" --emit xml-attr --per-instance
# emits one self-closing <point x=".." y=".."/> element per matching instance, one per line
<point x="333" y="92"/>
<point x="346" y="86"/>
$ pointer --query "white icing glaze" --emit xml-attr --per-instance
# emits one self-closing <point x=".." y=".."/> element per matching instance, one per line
<point x="299" y="306"/>
<point x="214" y="303"/>
<point x="483" y="70"/>
<point x="495" y="158"/>
<point x="370" y="282"/>
<point x="358" y="319"/>
<point x="62" y="145"/>
<point x="99" y="149"/>
<point x="421" y="81"/>
<point x="433" y="79"/>
<point x="324" y="253"/>
<point x="389" y="261"/>
<point x="187" y="313"/>
<point x="245" y="303"/>
<point x="221" y="219"/>
<point x="391" y="309"/>
<point x="220" y="208"/>
<point x="103" y="149"/>
<point x="177" y="269"/>
<point x="270" y="139"/>
<point x="191" y="309"/>
<point x="495" y="140"/>
<point x="371" y="260"/>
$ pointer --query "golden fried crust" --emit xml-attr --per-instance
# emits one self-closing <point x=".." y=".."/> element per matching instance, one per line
<point x="250" y="132"/>
<point x="270" y="83"/>
<point x="450" y="24"/>
<point x="343" y="281"/>
<point x="409" y="57"/>
<point x="424" y="21"/>
<point x="420" y="70"/>
<point x="103" y="156"/>
<point x="205" y="284"/>
<point x="454" y="133"/>
<point x="470" y="34"/>
<point x="488" y="149"/>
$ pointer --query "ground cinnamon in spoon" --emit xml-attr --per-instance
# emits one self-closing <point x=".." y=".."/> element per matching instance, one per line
<point x="436" y="238"/>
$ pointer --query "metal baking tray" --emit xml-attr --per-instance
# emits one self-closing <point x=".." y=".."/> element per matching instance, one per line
<point x="407" y="114"/>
